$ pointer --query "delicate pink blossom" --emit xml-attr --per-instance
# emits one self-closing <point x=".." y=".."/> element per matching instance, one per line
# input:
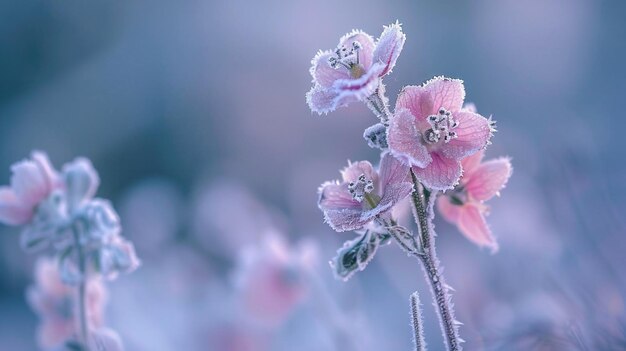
<point x="352" y="72"/>
<point x="464" y="206"/>
<point x="364" y="193"/>
<point x="55" y="303"/>
<point x="431" y="132"/>
<point x="272" y="279"/>
<point x="32" y="181"/>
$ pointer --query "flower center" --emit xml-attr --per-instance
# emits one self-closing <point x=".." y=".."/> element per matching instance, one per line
<point x="441" y="127"/>
<point x="361" y="188"/>
<point x="349" y="59"/>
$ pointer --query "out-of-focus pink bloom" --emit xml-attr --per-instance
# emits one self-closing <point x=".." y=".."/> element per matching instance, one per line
<point x="237" y="338"/>
<point x="55" y="303"/>
<point x="431" y="132"/>
<point x="271" y="279"/>
<point x="364" y="193"/>
<point x="32" y="181"/>
<point x="352" y="72"/>
<point x="464" y="206"/>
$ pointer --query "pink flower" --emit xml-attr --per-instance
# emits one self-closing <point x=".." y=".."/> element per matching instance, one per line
<point x="271" y="279"/>
<point x="32" y="181"/>
<point x="364" y="193"/>
<point x="431" y="132"/>
<point x="352" y="72"/>
<point x="55" y="304"/>
<point x="464" y="206"/>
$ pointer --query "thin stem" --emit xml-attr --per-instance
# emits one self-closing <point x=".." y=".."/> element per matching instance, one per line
<point x="82" y="313"/>
<point x="379" y="104"/>
<point x="416" y="321"/>
<point x="423" y="202"/>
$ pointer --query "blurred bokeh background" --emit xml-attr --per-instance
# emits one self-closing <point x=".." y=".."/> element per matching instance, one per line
<point x="193" y="112"/>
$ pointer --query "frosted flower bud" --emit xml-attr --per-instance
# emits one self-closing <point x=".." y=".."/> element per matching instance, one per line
<point x="376" y="136"/>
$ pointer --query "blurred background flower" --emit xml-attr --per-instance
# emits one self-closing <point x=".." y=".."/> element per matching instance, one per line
<point x="194" y="115"/>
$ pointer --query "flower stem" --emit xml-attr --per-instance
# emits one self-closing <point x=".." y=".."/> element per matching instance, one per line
<point x="416" y="320"/>
<point x="82" y="313"/>
<point x="423" y="202"/>
<point x="379" y="104"/>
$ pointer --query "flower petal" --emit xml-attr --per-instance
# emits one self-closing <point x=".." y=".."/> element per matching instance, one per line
<point x="347" y="219"/>
<point x="28" y="182"/>
<point x="321" y="71"/>
<point x="473" y="225"/>
<point x="446" y="92"/>
<point x="335" y="196"/>
<point x="405" y="140"/>
<point x="53" y="332"/>
<point x="393" y="194"/>
<point x="471" y="162"/>
<point x="321" y="100"/>
<point x="367" y="46"/>
<point x="449" y="211"/>
<point x="82" y="181"/>
<point x="12" y="212"/>
<point x="417" y="100"/>
<point x="362" y="87"/>
<point x="389" y="46"/>
<point x="488" y="179"/>
<point x="355" y="169"/>
<point x="441" y="174"/>
<point x="50" y="174"/>
<point x="473" y="134"/>
<point x="392" y="171"/>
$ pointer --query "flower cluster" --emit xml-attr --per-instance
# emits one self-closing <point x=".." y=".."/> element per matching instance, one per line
<point x="60" y="213"/>
<point x="430" y="133"/>
<point x="431" y="146"/>
<point x="58" y="209"/>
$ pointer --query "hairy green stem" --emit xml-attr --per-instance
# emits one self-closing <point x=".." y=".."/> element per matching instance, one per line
<point x="82" y="313"/>
<point x="423" y="202"/>
<point x="416" y="321"/>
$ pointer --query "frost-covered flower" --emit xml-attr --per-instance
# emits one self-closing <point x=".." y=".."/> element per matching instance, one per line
<point x="431" y="132"/>
<point x="117" y="256"/>
<point x="364" y="193"/>
<point x="55" y="303"/>
<point x="32" y="181"/>
<point x="272" y="278"/>
<point x="464" y="206"/>
<point x="353" y="70"/>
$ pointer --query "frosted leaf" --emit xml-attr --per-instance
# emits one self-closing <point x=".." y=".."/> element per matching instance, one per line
<point x="355" y="255"/>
